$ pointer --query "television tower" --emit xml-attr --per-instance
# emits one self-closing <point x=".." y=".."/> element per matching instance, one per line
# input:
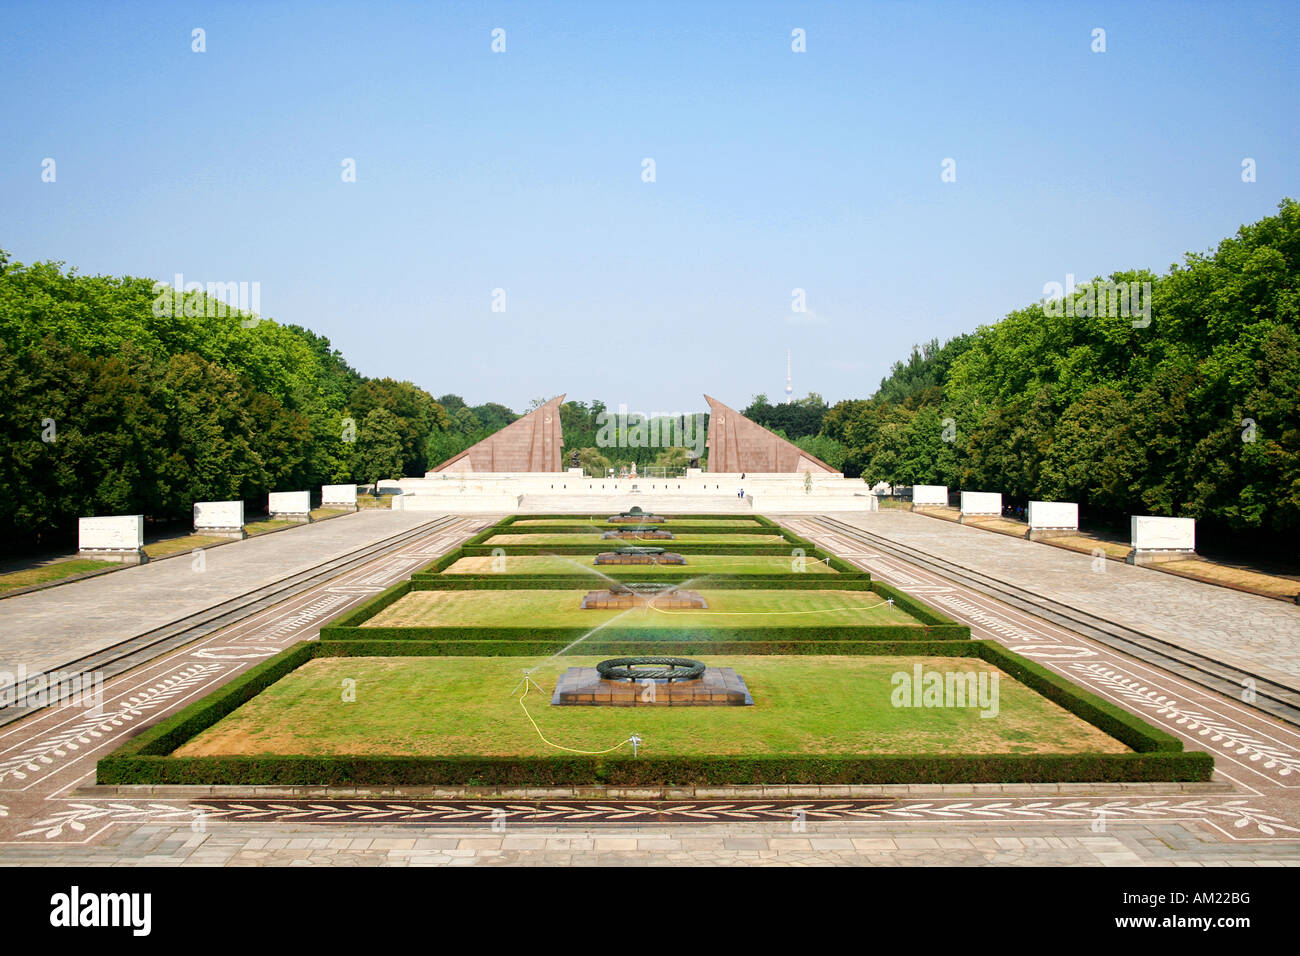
<point x="789" y="389"/>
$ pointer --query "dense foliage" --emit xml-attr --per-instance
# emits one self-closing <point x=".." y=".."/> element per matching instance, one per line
<point x="121" y="398"/>
<point x="1194" y="413"/>
<point x="617" y="438"/>
<point x="800" y="418"/>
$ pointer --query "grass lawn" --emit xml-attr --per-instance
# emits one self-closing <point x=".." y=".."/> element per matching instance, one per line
<point x="261" y="527"/>
<point x="602" y="522"/>
<point x="695" y="565"/>
<point x="595" y="538"/>
<point x="319" y="514"/>
<point x="52" y="572"/>
<point x="444" y="706"/>
<point x="751" y="609"/>
<point x="160" y="549"/>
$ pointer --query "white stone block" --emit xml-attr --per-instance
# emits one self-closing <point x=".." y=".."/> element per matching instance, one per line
<point x="981" y="502"/>
<point x="1053" y="515"/>
<point x="289" y="502"/>
<point x="111" y="533"/>
<point x="1152" y="533"/>
<point x="218" y="515"/>
<point x="338" y="495"/>
<point x="929" y="495"/>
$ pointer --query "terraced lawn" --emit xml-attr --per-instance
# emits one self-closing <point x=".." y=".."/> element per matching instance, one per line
<point x="601" y="522"/>
<point x="447" y="706"/>
<point x="594" y="538"/>
<point x="696" y="565"/>
<point x="562" y="608"/>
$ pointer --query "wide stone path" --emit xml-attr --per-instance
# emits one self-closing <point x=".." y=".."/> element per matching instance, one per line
<point x="42" y="630"/>
<point x="735" y="844"/>
<point x="51" y="813"/>
<point x="1256" y="634"/>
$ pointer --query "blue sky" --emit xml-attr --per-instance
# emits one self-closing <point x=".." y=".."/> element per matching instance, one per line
<point x="522" y="171"/>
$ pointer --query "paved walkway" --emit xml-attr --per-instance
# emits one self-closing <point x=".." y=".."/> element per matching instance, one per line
<point x="1256" y="634"/>
<point x="44" y="629"/>
<point x="52" y="814"/>
<point x="739" y="844"/>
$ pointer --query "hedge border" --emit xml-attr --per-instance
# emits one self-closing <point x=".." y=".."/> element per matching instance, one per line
<point x="594" y="529"/>
<point x="689" y="547"/>
<point x="566" y="582"/>
<point x="756" y="519"/>
<point x="837" y="564"/>
<point x="1156" y="754"/>
<point x="350" y="625"/>
<point x="696" y="638"/>
<point x="473" y="547"/>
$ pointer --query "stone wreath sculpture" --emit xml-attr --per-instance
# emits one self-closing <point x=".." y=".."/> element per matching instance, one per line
<point x="644" y="549"/>
<point x="650" y="668"/>
<point x="643" y="589"/>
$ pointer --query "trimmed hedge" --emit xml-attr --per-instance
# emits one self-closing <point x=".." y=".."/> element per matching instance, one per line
<point x="938" y="624"/>
<point x="764" y="550"/>
<point x="697" y="637"/>
<point x="167" y="735"/>
<point x="664" y="572"/>
<point x="1158" y="755"/>
<point x="565" y="582"/>
<point x="756" y="519"/>
<point x="381" y="647"/>
<point x="1102" y="714"/>
<point x="364" y="612"/>
<point x="653" y="771"/>
<point x="474" y="547"/>
<point x="687" y="547"/>
<point x="350" y="626"/>
<point x="600" y="527"/>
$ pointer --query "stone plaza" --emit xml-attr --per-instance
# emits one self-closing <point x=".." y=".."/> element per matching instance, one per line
<point x="55" y="814"/>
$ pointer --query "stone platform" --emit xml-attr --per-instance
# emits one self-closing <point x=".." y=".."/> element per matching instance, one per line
<point x="613" y="557"/>
<point x="718" y="687"/>
<point x="618" y="600"/>
<point x="639" y="533"/>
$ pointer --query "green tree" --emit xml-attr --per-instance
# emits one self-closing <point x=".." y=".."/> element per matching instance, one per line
<point x="378" y="448"/>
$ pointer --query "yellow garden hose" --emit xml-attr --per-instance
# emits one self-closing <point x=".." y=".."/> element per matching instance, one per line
<point x="592" y="753"/>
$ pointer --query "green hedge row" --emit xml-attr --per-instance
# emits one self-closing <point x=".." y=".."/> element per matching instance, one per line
<point x="698" y="637"/>
<point x="479" y="551"/>
<point x="693" y="547"/>
<point x="665" y="573"/>
<point x="922" y="612"/>
<point x="364" y="612"/>
<point x="602" y="527"/>
<point x="167" y="735"/>
<point x="1158" y="755"/>
<point x="756" y="519"/>
<point x="487" y="647"/>
<point x="649" y="771"/>
<point x="564" y="582"/>
<point x="1102" y="714"/>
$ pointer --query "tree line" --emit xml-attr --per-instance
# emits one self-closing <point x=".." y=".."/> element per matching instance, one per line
<point x="1189" y="407"/>
<point x="119" y="398"/>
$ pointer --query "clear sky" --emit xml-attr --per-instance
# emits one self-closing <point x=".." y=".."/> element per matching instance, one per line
<point x="523" y="171"/>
